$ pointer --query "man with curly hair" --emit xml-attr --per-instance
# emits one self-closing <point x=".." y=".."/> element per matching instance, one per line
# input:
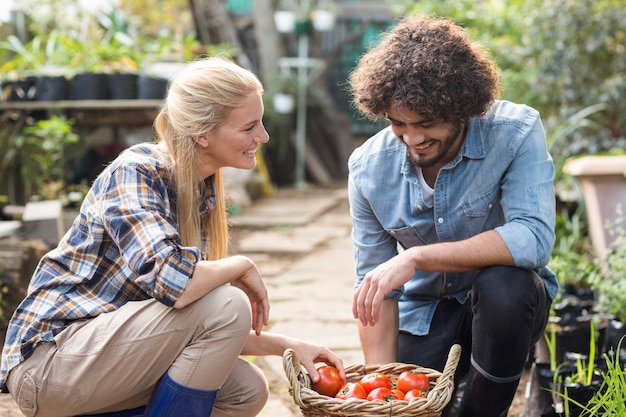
<point x="453" y="214"/>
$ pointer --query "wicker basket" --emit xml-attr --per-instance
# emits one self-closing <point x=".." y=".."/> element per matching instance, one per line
<point x="313" y="404"/>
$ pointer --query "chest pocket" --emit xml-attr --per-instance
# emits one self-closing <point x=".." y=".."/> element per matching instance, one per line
<point x="482" y="213"/>
<point x="408" y="236"/>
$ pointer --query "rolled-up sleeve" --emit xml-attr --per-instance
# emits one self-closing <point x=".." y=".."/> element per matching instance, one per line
<point x="528" y="198"/>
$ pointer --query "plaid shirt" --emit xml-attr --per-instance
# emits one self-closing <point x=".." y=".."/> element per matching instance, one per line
<point x="123" y="247"/>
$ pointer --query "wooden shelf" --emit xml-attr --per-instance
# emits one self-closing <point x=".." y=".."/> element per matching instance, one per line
<point x="82" y="105"/>
<point x="93" y="113"/>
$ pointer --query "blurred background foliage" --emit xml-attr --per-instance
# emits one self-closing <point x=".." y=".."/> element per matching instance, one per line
<point x="567" y="58"/>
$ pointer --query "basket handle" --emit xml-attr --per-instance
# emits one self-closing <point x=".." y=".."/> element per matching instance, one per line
<point x="298" y="378"/>
<point x="447" y="376"/>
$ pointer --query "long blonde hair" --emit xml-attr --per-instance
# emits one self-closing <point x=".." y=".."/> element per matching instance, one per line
<point x="199" y="99"/>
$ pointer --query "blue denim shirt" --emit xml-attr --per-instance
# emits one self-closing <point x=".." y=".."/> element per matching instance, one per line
<point x="502" y="179"/>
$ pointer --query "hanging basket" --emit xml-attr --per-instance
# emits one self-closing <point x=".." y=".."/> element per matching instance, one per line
<point x="313" y="404"/>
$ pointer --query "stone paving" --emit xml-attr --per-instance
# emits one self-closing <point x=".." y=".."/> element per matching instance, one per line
<point x="307" y="262"/>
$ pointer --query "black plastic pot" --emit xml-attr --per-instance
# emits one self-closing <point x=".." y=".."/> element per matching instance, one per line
<point x="122" y="86"/>
<point x="89" y="86"/>
<point x="51" y="88"/>
<point x="616" y="331"/>
<point x="579" y="394"/>
<point x="544" y="391"/>
<point x="573" y="338"/>
<point x="151" y="88"/>
<point x="19" y="90"/>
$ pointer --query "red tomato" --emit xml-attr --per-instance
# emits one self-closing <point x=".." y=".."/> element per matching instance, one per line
<point x="329" y="382"/>
<point x="384" y="394"/>
<point x="410" y="380"/>
<point x="399" y="394"/>
<point x="375" y="380"/>
<point x="351" y="390"/>
<point x="414" y="393"/>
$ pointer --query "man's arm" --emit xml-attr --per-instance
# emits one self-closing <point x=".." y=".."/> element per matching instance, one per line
<point x="380" y="342"/>
<point x="480" y="251"/>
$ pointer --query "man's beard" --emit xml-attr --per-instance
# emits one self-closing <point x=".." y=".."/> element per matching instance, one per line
<point x="444" y="147"/>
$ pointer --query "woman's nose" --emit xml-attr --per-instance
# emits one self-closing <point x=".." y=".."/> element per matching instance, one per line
<point x="263" y="136"/>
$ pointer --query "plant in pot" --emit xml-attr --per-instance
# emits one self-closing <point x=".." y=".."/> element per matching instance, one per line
<point x="151" y="85"/>
<point x="610" y="285"/>
<point x="40" y="65"/>
<point x="88" y="81"/>
<point x="610" y="399"/>
<point x="41" y="149"/>
<point x="584" y="381"/>
<point x="119" y="54"/>
<point x="569" y="325"/>
<point x="282" y="89"/>
<point x="572" y="383"/>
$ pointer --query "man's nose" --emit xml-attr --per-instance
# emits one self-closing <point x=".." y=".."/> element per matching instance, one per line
<point x="413" y="136"/>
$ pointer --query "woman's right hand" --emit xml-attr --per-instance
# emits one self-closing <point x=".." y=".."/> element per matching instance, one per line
<point x="252" y="284"/>
<point x="238" y="271"/>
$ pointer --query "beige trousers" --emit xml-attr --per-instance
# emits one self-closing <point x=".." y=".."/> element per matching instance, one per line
<point x="113" y="361"/>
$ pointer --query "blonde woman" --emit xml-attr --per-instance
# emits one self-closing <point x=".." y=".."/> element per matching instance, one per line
<point x="140" y="308"/>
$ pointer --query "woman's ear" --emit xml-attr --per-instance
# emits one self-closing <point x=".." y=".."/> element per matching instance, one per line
<point x="202" y="141"/>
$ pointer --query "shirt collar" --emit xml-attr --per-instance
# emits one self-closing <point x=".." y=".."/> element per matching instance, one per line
<point x="209" y="200"/>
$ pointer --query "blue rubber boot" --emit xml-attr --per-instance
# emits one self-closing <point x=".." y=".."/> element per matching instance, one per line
<point x="171" y="399"/>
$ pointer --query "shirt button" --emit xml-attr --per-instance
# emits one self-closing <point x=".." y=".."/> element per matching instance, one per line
<point x="440" y="220"/>
<point x="419" y="207"/>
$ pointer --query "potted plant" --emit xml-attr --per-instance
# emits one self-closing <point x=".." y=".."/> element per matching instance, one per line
<point x="119" y="53"/>
<point x="602" y="178"/>
<point x="89" y="81"/>
<point x="41" y="149"/>
<point x="41" y="64"/>
<point x="610" y="286"/>
<point x="282" y="89"/>
<point x="583" y="383"/>
<point x="610" y="399"/>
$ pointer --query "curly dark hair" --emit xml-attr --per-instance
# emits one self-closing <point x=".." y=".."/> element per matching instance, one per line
<point x="430" y="66"/>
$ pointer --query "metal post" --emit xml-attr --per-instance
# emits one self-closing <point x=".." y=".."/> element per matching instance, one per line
<point x="303" y="57"/>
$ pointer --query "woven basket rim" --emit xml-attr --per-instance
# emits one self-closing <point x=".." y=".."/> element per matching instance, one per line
<point x="313" y="404"/>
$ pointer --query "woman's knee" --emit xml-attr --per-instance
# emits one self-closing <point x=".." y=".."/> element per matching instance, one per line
<point x="224" y="307"/>
<point x="244" y="393"/>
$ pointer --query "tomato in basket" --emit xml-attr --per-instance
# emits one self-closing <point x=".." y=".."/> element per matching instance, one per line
<point x="330" y="381"/>
<point x="410" y="380"/>
<point x="351" y="390"/>
<point x="398" y="394"/>
<point x="375" y="380"/>
<point x="414" y="393"/>
<point x="385" y="394"/>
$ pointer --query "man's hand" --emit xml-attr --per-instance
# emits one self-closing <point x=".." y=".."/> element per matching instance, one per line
<point x="379" y="282"/>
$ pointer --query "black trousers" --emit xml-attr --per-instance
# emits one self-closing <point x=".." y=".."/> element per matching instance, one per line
<point x="503" y="317"/>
